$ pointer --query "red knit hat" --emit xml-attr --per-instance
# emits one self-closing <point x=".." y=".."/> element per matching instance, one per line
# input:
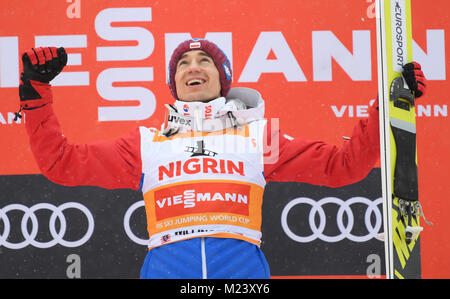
<point x="220" y="60"/>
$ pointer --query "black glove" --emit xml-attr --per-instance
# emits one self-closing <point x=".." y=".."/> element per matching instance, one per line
<point x="413" y="74"/>
<point x="40" y="66"/>
<point x="43" y="64"/>
<point x="415" y="78"/>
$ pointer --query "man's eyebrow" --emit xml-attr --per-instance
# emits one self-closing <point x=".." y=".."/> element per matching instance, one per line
<point x="183" y="56"/>
<point x="200" y="53"/>
<point x="204" y="54"/>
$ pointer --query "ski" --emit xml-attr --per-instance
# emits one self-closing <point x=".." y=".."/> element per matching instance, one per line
<point x="401" y="207"/>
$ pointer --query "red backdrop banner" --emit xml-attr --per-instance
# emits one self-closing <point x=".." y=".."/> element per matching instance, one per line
<point x="314" y="62"/>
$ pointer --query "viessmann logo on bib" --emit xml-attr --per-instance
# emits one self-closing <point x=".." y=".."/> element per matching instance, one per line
<point x="205" y="197"/>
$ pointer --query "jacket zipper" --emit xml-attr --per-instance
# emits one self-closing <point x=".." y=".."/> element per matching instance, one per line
<point x="204" y="269"/>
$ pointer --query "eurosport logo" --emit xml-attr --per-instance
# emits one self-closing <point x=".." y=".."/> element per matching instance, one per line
<point x="29" y="215"/>
<point x="344" y="224"/>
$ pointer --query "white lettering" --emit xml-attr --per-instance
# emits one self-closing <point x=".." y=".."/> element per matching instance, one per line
<point x="217" y="196"/>
<point x="339" y="112"/>
<point x="146" y="42"/>
<point x="66" y="41"/>
<point x="433" y="61"/>
<point x="257" y="63"/>
<point x="242" y="198"/>
<point x="146" y="98"/>
<point x="189" y="198"/>
<point x="161" y="203"/>
<point x="431" y="111"/>
<point x="203" y="196"/>
<point x="423" y="110"/>
<point x="327" y="47"/>
<point x="230" y="196"/>
<point x="440" y="110"/>
<point x="9" y="118"/>
<point x="361" y="110"/>
<point x="177" y="199"/>
<point x="9" y="57"/>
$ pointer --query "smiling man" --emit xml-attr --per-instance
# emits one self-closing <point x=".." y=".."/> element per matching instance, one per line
<point x="203" y="197"/>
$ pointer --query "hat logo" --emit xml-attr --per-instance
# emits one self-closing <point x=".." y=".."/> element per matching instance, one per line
<point x="195" y="45"/>
<point x="227" y="71"/>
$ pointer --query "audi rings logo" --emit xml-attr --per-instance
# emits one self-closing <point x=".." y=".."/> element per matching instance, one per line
<point x="30" y="237"/>
<point x="127" y="226"/>
<point x="344" y="228"/>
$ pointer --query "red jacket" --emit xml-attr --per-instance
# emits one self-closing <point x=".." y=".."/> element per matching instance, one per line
<point x="117" y="164"/>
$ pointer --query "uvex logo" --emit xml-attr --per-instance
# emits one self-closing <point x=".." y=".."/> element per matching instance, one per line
<point x="180" y="120"/>
<point x="200" y="165"/>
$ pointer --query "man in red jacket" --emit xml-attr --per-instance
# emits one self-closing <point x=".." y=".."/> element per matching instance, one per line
<point x="203" y="174"/>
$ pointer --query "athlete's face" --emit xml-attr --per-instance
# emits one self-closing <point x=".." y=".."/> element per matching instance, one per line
<point x="196" y="77"/>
